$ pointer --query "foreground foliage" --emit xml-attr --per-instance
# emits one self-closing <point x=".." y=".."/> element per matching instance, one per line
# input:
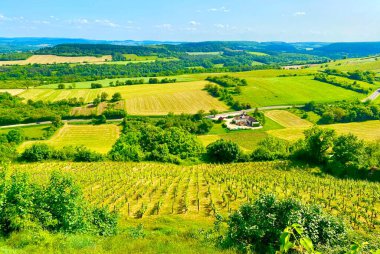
<point x="56" y="207"/>
<point x="258" y="226"/>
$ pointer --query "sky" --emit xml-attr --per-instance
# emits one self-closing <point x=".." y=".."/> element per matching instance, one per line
<point x="193" y="20"/>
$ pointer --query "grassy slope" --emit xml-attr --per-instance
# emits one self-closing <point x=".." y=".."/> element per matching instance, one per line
<point x="31" y="132"/>
<point x="99" y="138"/>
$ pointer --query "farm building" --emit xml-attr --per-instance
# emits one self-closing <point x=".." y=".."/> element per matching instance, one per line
<point x="245" y="120"/>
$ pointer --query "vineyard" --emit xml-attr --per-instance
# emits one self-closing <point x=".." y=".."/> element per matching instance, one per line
<point x="149" y="189"/>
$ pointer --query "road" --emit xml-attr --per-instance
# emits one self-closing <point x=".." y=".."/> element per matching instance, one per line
<point x="373" y="96"/>
<point x="234" y="113"/>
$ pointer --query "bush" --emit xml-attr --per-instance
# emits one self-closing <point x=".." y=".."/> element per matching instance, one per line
<point x="271" y="148"/>
<point x="57" y="207"/>
<point x="222" y="151"/>
<point x="15" y="136"/>
<point x="256" y="227"/>
<point x="86" y="155"/>
<point x="37" y="152"/>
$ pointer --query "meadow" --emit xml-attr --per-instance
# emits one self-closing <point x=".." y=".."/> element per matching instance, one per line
<point x="51" y="59"/>
<point x="31" y="132"/>
<point x="158" y="99"/>
<point x="291" y="90"/>
<point x="13" y="92"/>
<point x="368" y="131"/>
<point x="99" y="138"/>
<point x="352" y="64"/>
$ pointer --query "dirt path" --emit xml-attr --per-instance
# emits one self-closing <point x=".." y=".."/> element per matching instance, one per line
<point x="373" y="96"/>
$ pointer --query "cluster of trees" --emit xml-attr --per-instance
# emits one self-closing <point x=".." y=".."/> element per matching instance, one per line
<point x="342" y="155"/>
<point x="96" y="85"/>
<point x="58" y="206"/>
<point x="341" y="83"/>
<point x="162" y="81"/>
<point x="117" y="56"/>
<point x="14" y="111"/>
<point x="15" y="56"/>
<point x="9" y="143"/>
<point x="128" y="82"/>
<point x="366" y="76"/>
<point x="144" y="141"/>
<point x="344" y="112"/>
<point x="43" y="152"/>
<point x="258" y="227"/>
<point x="104" y="96"/>
<point x="74" y="49"/>
<point x="227" y="81"/>
<point x="225" y="94"/>
<point x="195" y="124"/>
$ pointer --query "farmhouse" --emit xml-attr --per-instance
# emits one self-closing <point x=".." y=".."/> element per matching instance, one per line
<point x="245" y="120"/>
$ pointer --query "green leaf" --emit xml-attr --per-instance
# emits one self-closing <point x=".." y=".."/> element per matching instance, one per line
<point x="307" y="244"/>
<point x="298" y="228"/>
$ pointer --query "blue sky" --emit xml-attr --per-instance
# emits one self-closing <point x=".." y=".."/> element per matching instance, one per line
<point x="195" y="20"/>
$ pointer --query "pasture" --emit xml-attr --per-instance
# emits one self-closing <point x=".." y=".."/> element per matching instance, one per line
<point x="290" y="90"/>
<point x="287" y="119"/>
<point x="99" y="138"/>
<point x="12" y="92"/>
<point x="51" y="59"/>
<point x="30" y="132"/>
<point x="368" y="131"/>
<point x="159" y="99"/>
<point x="352" y="64"/>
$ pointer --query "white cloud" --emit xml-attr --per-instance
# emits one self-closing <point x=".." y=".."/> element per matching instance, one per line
<point x="299" y="13"/>
<point x="220" y="9"/>
<point x="106" y="22"/>
<point x="194" y="23"/>
<point x="41" y="22"/>
<point x="168" y="27"/>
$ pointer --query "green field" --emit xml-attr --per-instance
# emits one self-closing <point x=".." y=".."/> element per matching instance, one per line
<point x="369" y="131"/>
<point x="160" y="99"/>
<point x="30" y="132"/>
<point x="246" y="139"/>
<point x="291" y="90"/>
<point x="257" y="53"/>
<point x="352" y="64"/>
<point x="99" y="138"/>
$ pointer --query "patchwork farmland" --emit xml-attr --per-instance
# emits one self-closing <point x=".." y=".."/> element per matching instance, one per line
<point x="99" y="138"/>
<point x="51" y="59"/>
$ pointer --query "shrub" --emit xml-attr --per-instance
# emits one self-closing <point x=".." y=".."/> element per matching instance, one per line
<point x="271" y="148"/>
<point x="57" y="207"/>
<point x="222" y="151"/>
<point x="37" y="152"/>
<point x="86" y="155"/>
<point x="256" y="227"/>
<point x="15" y="136"/>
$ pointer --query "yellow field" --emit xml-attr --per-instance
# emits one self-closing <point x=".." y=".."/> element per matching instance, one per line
<point x="50" y="59"/>
<point x="287" y="119"/>
<point x="99" y="138"/>
<point x="369" y="131"/>
<point x="13" y="92"/>
<point x="185" y="97"/>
